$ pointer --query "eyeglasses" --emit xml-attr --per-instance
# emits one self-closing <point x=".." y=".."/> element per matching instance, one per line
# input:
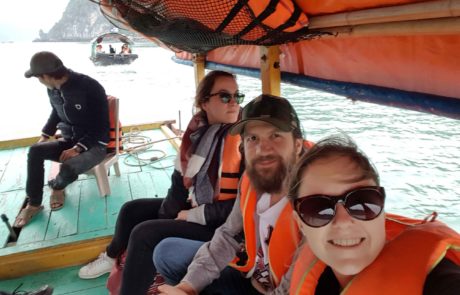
<point x="226" y="97"/>
<point x="364" y="203"/>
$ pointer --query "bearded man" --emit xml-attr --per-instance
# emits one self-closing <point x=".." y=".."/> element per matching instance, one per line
<point x="259" y="237"/>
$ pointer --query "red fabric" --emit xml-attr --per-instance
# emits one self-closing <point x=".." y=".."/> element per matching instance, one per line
<point x="186" y="146"/>
<point x="114" y="280"/>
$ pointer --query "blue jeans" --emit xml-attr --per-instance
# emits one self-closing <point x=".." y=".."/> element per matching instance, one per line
<point x="173" y="267"/>
<point x="69" y="171"/>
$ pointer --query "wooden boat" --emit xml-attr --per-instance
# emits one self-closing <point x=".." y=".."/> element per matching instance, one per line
<point x="109" y="55"/>
<point x="402" y="53"/>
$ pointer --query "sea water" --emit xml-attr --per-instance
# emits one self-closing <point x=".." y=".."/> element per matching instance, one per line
<point x="416" y="154"/>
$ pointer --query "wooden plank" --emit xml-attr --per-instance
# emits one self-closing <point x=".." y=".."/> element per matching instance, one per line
<point x="64" y="221"/>
<point x="119" y="185"/>
<point x="54" y="257"/>
<point x="15" y="143"/>
<point x="37" y="246"/>
<point x="5" y="157"/>
<point x="130" y="167"/>
<point x="169" y="152"/>
<point x="15" y="174"/>
<point x="270" y="73"/>
<point x="63" y="281"/>
<point x="149" y="151"/>
<point x="415" y="11"/>
<point x="161" y="176"/>
<point x="141" y="185"/>
<point x="442" y="26"/>
<point x="93" y="214"/>
<point x="175" y="141"/>
<point x="10" y="204"/>
<point x="35" y="230"/>
<point x="91" y="291"/>
<point x="199" y="61"/>
<point x="24" y="142"/>
<point x="162" y="182"/>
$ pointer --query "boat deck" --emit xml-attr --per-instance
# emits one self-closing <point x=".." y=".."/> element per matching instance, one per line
<point x="64" y="281"/>
<point x="80" y="230"/>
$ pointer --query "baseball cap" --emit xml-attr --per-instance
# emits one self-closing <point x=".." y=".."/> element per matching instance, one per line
<point x="271" y="109"/>
<point x="43" y="62"/>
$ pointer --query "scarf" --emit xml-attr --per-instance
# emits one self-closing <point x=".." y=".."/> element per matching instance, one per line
<point x="200" y="156"/>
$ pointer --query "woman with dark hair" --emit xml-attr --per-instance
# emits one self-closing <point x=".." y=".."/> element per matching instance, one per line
<point x="352" y="245"/>
<point x="203" y="189"/>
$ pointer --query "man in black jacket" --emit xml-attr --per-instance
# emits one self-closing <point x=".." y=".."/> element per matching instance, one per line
<point x="80" y="112"/>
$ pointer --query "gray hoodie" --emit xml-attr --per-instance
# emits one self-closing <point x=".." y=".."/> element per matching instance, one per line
<point x="216" y="254"/>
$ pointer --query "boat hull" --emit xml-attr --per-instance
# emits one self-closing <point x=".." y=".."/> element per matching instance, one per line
<point x="105" y="59"/>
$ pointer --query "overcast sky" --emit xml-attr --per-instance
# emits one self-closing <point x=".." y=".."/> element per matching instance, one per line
<point x="21" y="20"/>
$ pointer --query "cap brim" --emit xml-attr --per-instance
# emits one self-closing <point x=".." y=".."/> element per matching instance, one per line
<point x="28" y="74"/>
<point x="238" y="128"/>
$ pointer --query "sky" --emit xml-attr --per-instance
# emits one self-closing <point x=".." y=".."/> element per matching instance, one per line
<point x="20" y="23"/>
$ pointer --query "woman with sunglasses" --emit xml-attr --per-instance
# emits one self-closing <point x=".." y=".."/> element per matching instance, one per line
<point x="351" y="245"/>
<point x="203" y="189"/>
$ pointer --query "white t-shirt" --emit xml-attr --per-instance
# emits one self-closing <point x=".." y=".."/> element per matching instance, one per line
<point x="267" y="219"/>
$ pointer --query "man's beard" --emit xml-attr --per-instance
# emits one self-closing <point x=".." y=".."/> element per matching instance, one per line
<point x="269" y="180"/>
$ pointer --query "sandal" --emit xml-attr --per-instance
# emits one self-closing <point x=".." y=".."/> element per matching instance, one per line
<point x="57" y="200"/>
<point x="26" y="215"/>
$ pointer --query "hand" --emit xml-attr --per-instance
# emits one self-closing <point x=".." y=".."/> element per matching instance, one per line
<point x="67" y="154"/>
<point x="43" y="139"/>
<point x="182" y="215"/>
<point x="181" y="289"/>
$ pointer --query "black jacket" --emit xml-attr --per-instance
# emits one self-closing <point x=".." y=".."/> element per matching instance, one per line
<point x="176" y="200"/>
<point x="80" y="111"/>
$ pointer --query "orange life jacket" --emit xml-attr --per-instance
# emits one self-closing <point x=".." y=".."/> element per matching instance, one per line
<point x="112" y="124"/>
<point x="412" y="250"/>
<point x="284" y="238"/>
<point x="283" y="242"/>
<point x="230" y="169"/>
<point x="282" y="14"/>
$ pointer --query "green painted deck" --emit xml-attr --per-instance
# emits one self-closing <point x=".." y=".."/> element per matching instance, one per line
<point x="85" y="215"/>
<point x="64" y="281"/>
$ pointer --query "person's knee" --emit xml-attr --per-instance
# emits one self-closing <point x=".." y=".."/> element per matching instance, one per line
<point x="36" y="150"/>
<point x="168" y="262"/>
<point x="67" y="171"/>
<point x="136" y="233"/>
<point x="160" y="253"/>
<point x="142" y="234"/>
<point x="167" y="257"/>
<point x="128" y="209"/>
<point x="66" y="176"/>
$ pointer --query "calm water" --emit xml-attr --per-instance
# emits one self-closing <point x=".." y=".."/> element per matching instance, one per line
<point x="416" y="154"/>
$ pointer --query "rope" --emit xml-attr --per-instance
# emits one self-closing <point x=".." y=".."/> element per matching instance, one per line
<point x="143" y="145"/>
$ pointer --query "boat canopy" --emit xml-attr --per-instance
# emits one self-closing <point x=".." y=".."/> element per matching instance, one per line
<point x="402" y="53"/>
<point x="202" y="25"/>
<point x="112" y="37"/>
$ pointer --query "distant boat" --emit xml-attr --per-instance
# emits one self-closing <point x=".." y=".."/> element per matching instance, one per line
<point x="103" y="52"/>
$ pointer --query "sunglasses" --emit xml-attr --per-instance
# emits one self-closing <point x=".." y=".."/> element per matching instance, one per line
<point x="364" y="203"/>
<point x="226" y="97"/>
